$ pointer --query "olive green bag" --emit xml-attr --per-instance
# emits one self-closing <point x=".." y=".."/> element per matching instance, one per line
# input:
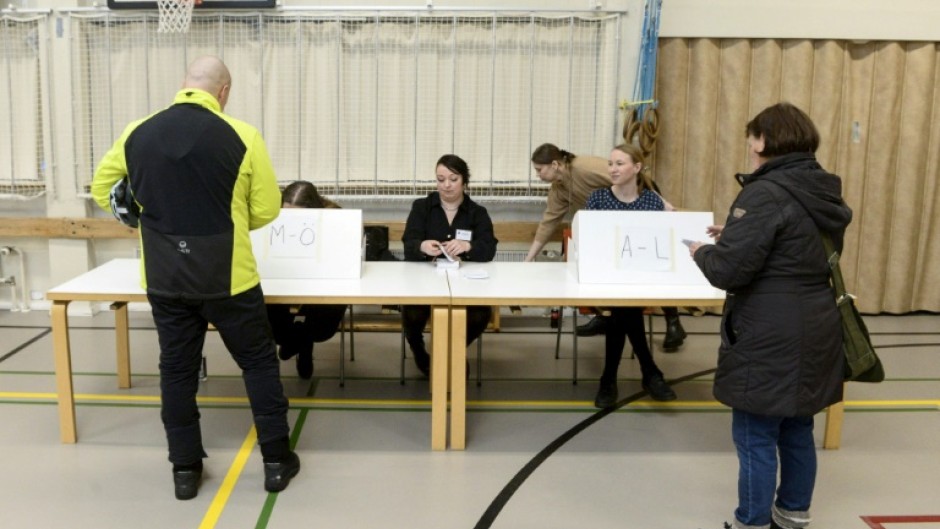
<point x="861" y="362"/>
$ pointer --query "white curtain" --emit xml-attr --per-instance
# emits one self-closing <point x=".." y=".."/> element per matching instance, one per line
<point x="365" y="103"/>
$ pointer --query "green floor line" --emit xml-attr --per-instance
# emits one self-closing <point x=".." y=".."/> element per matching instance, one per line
<point x="265" y="515"/>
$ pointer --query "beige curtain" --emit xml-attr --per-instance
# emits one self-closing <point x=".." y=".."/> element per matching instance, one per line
<point x="877" y="107"/>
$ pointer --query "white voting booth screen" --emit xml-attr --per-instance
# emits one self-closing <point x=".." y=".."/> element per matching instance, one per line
<point x="636" y="247"/>
<point x="310" y="244"/>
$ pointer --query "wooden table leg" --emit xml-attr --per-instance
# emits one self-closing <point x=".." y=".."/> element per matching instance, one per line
<point x="63" y="371"/>
<point x="440" y="330"/>
<point x="123" y="344"/>
<point x="458" y="378"/>
<point x="833" y="436"/>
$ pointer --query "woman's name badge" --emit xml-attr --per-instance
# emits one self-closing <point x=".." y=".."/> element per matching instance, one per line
<point x="464" y="235"/>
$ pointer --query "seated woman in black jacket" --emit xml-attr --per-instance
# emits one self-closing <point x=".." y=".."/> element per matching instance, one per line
<point x="295" y="333"/>
<point x="447" y="220"/>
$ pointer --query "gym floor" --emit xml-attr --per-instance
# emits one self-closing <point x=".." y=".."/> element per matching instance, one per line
<point x="365" y="447"/>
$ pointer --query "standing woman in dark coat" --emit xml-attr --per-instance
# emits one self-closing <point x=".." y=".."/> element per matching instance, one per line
<point x="780" y="360"/>
<point x="446" y="219"/>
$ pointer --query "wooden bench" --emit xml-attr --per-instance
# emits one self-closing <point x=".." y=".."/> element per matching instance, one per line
<point x="106" y="228"/>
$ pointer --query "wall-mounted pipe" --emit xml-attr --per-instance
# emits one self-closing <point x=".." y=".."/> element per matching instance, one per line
<point x="16" y="306"/>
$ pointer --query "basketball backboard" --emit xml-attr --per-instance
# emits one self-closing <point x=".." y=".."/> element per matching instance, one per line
<point x="205" y="4"/>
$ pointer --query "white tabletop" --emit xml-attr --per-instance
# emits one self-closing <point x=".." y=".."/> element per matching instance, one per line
<point x="552" y="284"/>
<point x="116" y="280"/>
<point x="381" y="282"/>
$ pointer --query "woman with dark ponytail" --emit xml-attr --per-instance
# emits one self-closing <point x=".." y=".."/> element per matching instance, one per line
<point x="573" y="179"/>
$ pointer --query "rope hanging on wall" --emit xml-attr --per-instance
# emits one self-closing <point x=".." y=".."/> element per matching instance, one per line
<point x="641" y="117"/>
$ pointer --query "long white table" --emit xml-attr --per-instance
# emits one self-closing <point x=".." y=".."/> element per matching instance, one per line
<point x="449" y="295"/>
<point x="550" y="284"/>
<point x="118" y="282"/>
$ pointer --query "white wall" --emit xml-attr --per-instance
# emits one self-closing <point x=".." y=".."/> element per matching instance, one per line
<point x="804" y="19"/>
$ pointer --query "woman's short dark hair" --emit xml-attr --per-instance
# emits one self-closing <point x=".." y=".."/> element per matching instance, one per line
<point x="785" y="129"/>
<point x="305" y="195"/>
<point x="456" y="164"/>
<point x="547" y="153"/>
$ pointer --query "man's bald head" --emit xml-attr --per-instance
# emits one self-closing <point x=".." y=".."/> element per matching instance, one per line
<point x="210" y="74"/>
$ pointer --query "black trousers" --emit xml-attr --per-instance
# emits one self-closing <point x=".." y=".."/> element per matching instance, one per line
<point x="319" y="324"/>
<point x="415" y="317"/>
<point x="243" y="326"/>
<point x="627" y="322"/>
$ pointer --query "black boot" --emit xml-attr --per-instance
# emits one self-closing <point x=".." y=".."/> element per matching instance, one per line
<point x="675" y="334"/>
<point x="422" y="358"/>
<point x="597" y="325"/>
<point x="606" y="395"/>
<point x="305" y="364"/>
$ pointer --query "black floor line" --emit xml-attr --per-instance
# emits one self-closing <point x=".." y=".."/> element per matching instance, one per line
<point x="506" y="494"/>
<point x="486" y="521"/>
<point x="26" y="344"/>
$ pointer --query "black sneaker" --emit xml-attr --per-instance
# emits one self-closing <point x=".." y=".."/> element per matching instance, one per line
<point x="186" y="483"/>
<point x="278" y="475"/>
<point x="659" y="389"/>
<point x="597" y="325"/>
<point x="606" y="395"/>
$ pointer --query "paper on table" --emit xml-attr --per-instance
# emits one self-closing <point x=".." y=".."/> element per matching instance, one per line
<point x="447" y="255"/>
<point x="475" y="273"/>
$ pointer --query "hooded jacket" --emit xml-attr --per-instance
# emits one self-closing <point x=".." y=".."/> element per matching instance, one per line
<point x="781" y="339"/>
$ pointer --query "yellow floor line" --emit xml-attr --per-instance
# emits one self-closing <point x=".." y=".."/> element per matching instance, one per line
<point x="360" y="402"/>
<point x="495" y="404"/>
<point x="228" y="484"/>
<point x="583" y="403"/>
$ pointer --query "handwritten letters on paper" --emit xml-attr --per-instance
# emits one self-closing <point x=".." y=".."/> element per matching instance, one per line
<point x="643" y="248"/>
<point x="294" y="236"/>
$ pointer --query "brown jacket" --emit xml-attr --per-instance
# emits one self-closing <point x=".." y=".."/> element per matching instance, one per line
<point x="568" y="195"/>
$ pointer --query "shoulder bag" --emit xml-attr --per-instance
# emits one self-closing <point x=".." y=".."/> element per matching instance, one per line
<point x="861" y="362"/>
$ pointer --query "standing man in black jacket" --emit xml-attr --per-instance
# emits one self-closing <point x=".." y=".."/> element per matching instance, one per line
<point x="202" y="180"/>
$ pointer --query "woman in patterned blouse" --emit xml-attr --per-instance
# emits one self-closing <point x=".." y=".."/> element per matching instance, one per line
<point x="632" y="190"/>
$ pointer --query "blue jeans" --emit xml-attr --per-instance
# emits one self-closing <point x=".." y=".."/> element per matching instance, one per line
<point x="760" y="439"/>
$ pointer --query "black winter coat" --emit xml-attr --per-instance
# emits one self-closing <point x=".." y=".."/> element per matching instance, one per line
<point x="781" y="336"/>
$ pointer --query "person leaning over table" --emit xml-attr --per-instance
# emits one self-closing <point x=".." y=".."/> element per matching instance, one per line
<point x="573" y="179"/>
<point x="448" y="219"/>
<point x="296" y="331"/>
<point x="631" y="190"/>
<point x="780" y="360"/>
<point x="203" y="180"/>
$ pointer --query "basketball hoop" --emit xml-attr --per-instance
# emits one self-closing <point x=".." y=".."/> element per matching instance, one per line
<point x="175" y="15"/>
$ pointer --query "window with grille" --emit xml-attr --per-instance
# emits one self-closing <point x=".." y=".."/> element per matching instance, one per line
<point x="363" y="104"/>
<point x="23" y="146"/>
